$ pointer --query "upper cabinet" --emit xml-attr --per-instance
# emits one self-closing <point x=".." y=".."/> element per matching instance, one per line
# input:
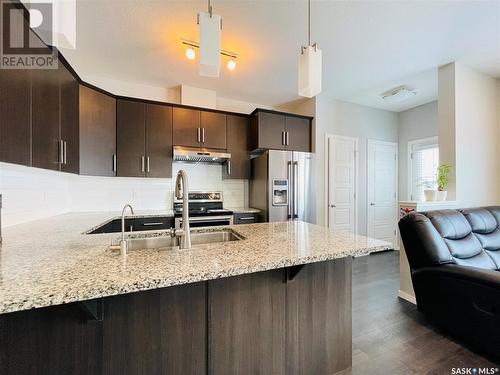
<point x="279" y="131"/>
<point x="144" y="139"/>
<point x="158" y="140"/>
<point x="237" y="145"/>
<point x="187" y="130"/>
<point x="97" y="133"/>
<point x="195" y="128"/>
<point x="15" y="108"/>
<point x="213" y="130"/>
<point x="69" y="120"/>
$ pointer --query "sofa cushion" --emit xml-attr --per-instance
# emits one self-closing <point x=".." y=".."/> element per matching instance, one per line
<point x="460" y="231"/>
<point x="485" y="227"/>
<point x="450" y="224"/>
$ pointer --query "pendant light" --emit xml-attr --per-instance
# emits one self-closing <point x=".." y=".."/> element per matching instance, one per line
<point x="309" y="64"/>
<point x="210" y="26"/>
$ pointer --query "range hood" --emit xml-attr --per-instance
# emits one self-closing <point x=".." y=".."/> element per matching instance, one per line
<point x="200" y="155"/>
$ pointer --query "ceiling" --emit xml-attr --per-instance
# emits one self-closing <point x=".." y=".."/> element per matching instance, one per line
<point x="368" y="46"/>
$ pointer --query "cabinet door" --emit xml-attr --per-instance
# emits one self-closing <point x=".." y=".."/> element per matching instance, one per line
<point x="69" y="120"/>
<point x="299" y="134"/>
<point x="270" y="131"/>
<point x="247" y="324"/>
<point x="97" y="133"/>
<point x="318" y="318"/>
<point x="45" y="119"/>
<point x="158" y="141"/>
<point x="161" y="331"/>
<point x="213" y="127"/>
<point x="186" y="123"/>
<point x="15" y="126"/>
<point x="237" y="146"/>
<point x="130" y="138"/>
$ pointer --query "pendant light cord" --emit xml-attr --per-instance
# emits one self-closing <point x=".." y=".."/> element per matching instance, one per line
<point x="210" y="8"/>
<point x="308" y="22"/>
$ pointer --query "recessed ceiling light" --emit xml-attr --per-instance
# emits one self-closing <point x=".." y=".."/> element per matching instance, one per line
<point x="398" y="94"/>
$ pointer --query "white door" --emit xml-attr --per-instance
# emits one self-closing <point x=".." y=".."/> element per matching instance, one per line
<point x="342" y="182"/>
<point x="382" y="190"/>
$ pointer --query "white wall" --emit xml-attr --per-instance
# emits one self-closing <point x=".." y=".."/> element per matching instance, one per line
<point x="353" y="120"/>
<point x="469" y="133"/>
<point x="32" y="193"/>
<point x="415" y="123"/>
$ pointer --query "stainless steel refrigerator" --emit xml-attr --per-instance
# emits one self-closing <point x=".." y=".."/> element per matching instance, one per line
<point x="281" y="186"/>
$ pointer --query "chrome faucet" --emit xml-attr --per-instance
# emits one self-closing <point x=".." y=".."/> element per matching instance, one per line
<point x="123" y="242"/>
<point x="182" y="191"/>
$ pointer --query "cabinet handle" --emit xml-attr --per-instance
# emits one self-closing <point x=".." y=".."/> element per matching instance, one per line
<point x="114" y="162"/>
<point x="142" y="163"/>
<point x="283" y="138"/>
<point x="155" y="224"/>
<point x="65" y="152"/>
<point x="203" y="135"/>
<point x="147" y="164"/>
<point x="247" y="218"/>
<point x="61" y="151"/>
<point x="229" y="167"/>
<point x="287" y="138"/>
<point x="199" y="135"/>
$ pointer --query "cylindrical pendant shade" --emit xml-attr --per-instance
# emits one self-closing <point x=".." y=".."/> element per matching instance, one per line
<point x="310" y="72"/>
<point x="210" y="30"/>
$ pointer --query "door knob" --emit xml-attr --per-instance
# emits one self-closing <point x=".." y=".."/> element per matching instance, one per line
<point x="372" y="204"/>
<point x="333" y="206"/>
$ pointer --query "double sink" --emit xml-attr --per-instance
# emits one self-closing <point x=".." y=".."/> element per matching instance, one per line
<point x="199" y="237"/>
<point x="162" y="238"/>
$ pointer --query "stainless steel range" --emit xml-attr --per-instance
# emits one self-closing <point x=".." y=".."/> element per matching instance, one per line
<point x="205" y="210"/>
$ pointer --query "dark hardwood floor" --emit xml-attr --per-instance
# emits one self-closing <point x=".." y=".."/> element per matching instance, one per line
<point x="389" y="335"/>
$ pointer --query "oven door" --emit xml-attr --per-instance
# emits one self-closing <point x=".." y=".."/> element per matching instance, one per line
<point x="205" y="221"/>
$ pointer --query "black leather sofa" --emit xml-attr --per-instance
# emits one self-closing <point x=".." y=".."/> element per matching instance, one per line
<point x="454" y="258"/>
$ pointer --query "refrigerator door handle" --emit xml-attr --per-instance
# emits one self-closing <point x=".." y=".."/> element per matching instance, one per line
<point x="295" y="188"/>
<point x="290" y="190"/>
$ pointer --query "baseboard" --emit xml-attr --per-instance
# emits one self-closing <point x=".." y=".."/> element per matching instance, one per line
<point x="407" y="297"/>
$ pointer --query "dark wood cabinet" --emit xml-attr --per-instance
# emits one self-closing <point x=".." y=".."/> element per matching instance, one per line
<point x="52" y="340"/>
<point x="267" y="131"/>
<point x="46" y="145"/>
<point x="246" y="218"/>
<point x="15" y="120"/>
<point x="161" y="331"/>
<point x="298" y="134"/>
<point x="97" y="133"/>
<point x="213" y="130"/>
<point x="195" y="128"/>
<point x="130" y="138"/>
<point x="144" y="139"/>
<point x="318" y="318"/>
<point x="279" y="131"/>
<point x="247" y="324"/>
<point x="237" y="145"/>
<point x="69" y="107"/>
<point x="158" y="141"/>
<point x="186" y="127"/>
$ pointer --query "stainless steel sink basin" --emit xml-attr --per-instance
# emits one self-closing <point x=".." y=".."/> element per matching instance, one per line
<point x="198" y="238"/>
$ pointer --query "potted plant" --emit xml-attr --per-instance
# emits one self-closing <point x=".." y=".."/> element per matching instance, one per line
<point x="430" y="193"/>
<point x="442" y="180"/>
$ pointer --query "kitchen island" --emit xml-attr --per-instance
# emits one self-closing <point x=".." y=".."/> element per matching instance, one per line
<point x="276" y="302"/>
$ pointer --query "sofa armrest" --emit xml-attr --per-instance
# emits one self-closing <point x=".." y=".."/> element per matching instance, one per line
<point x="474" y="275"/>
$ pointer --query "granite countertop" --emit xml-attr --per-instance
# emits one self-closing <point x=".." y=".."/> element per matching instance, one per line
<point x="50" y="262"/>
<point x="243" y="210"/>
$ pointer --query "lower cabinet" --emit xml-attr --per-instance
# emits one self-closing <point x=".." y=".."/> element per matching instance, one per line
<point x="295" y="320"/>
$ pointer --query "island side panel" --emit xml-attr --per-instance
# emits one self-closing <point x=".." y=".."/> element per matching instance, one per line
<point x="50" y="340"/>
<point x="319" y="318"/>
<point x="247" y="322"/>
<point x="161" y="331"/>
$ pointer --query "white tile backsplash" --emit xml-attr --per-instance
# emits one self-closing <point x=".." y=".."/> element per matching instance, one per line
<point x="32" y="193"/>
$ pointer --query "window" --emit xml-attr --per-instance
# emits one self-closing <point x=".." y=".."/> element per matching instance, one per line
<point x="423" y="161"/>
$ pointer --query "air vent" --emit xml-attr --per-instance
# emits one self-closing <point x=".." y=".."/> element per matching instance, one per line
<point x="196" y="155"/>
